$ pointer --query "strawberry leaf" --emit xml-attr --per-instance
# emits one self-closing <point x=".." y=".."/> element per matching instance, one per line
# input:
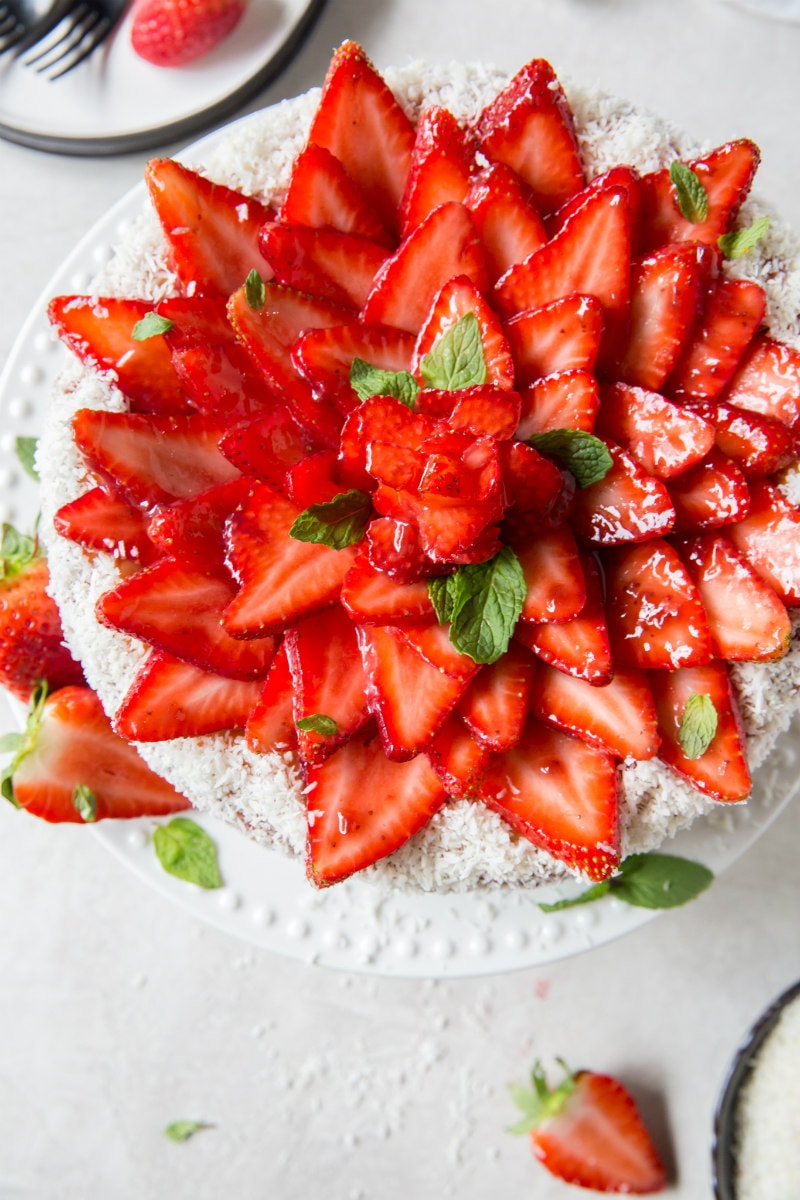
<point x="646" y="881"/>
<point x="457" y="359"/>
<point x="187" y="852"/>
<point x="698" y="725"/>
<point x="26" y="453"/>
<point x="151" y="325"/>
<point x="486" y="602"/>
<point x="585" y="455"/>
<point x="85" y="802"/>
<point x="318" y="723"/>
<point x="337" y="523"/>
<point x="181" y="1131"/>
<point x="17" y="550"/>
<point x="366" y="381"/>
<point x="255" y="293"/>
<point x="25" y="742"/>
<point x="689" y="192"/>
<point x="741" y="241"/>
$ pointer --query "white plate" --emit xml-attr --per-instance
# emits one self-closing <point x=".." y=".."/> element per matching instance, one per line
<point x="116" y="101"/>
<point x="266" y="899"/>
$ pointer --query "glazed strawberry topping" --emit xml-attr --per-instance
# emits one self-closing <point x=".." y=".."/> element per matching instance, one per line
<point x="458" y="477"/>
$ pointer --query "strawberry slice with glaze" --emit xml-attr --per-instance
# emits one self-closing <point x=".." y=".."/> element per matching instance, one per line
<point x="758" y="445"/>
<point x="663" y="437"/>
<point x="458" y="759"/>
<point x="767" y="381"/>
<point x="721" y="771"/>
<point x="553" y="576"/>
<point x="495" y="705"/>
<point x="323" y="196"/>
<point x="212" y="230"/>
<point x="324" y="357"/>
<point x="363" y="806"/>
<point x="713" y="493"/>
<point x="563" y="400"/>
<point x="221" y="378"/>
<point x="621" y="176"/>
<point x="769" y="538"/>
<point x="192" y="529"/>
<point x="562" y="336"/>
<point x="360" y="122"/>
<point x="619" y="716"/>
<point x="440" y="166"/>
<point x="458" y="297"/>
<point x="579" y="647"/>
<point x="373" y="597"/>
<point x="340" y="267"/>
<point x="267" y="447"/>
<point x="560" y="794"/>
<point x="100" y="520"/>
<point x="733" y="311"/>
<point x="394" y="548"/>
<point x="506" y="218"/>
<point x="529" y="127"/>
<point x="628" y="505"/>
<point x="270" y="726"/>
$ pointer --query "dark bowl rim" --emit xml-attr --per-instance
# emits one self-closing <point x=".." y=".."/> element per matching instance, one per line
<point x="723" y="1147"/>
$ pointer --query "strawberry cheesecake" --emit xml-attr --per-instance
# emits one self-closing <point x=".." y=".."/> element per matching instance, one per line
<point x="420" y="487"/>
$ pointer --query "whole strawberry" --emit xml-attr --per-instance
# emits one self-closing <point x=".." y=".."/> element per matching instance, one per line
<point x="588" y="1132"/>
<point x="171" y="33"/>
<point x="31" y="639"/>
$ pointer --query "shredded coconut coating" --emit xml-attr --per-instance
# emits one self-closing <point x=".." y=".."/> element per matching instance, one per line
<point x="465" y="846"/>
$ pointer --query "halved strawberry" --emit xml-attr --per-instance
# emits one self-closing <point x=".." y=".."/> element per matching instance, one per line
<point x="325" y="262"/>
<point x="151" y="460"/>
<point x="409" y="697"/>
<point x="713" y="493"/>
<point x="628" y="505"/>
<point x="767" y="381"/>
<point x="360" y="122"/>
<point x="280" y="579"/>
<point x="529" y="127"/>
<point x="561" y="794"/>
<point x="721" y="770"/>
<point x="564" y="335"/>
<point x="726" y="175"/>
<point x="495" y="705"/>
<point x="769" y="538"/>
<point x="506" y="218"/>
<point x="444" y="245"/>
<point x="746" y="619"/>
<point x="323" y="196"/>
<point x="458" y="297"/>
<point x="375" y="598"/>
<point x="363" y="806"/>
<point x="100" y="520"/>
<point x="664" y="438"/>
<point x="655" y="614"/>
<point x="170" y="699"/>
<point x="270" y="726"/>
<point x="324" y="357"/>
<point x="553" y="576"/>
<point x="99" y="331"/>
<point x="618" y="716"/>
<point x="212" y="229"/>
<point x="440" y="166"/>
<point x="733" y="311"/>
<point x="222" y="379"/>
<point x="268" y="446"/>
<point x="581" y="646"/>
<point x="192" y="529"/>
<point x="458" y="759"/>
<point x="177" y="607"/>
<point x="70" y="746"/>
<point x="563" y="400"/>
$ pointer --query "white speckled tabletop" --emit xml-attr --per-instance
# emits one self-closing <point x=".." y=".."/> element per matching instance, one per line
<point x="121" y="1011"/>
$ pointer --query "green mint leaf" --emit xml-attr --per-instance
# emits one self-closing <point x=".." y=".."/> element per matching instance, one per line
<point x="585" y="455"/>
<point x="151" y="325"/>
<point x="741" y="241"/>
<point x="442" y="594"/>
<point x="457" y="359"/>
<point x="181" y="1131"/>
<point x="188" y="852"/>
<point x="689" y="192"/>
<point x="595" y="892"/>
<point x="487" y="599"/>
<point x="366" y="381"/>
<point x="337" y="523"/>
<point x="255" y="292"/>
<point x="698" y="725"/>
<point x="318" y="723"/>
<point x="26" y="453"/>
<point x="646" y="881"/>
<point x="85" y="803"/>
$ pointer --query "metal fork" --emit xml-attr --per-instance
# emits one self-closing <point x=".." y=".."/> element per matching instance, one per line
<point x="68" y="34"/>
<point x="16" y="18"/>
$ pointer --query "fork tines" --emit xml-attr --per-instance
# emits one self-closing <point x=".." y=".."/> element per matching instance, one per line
<point x="72" y="41"/>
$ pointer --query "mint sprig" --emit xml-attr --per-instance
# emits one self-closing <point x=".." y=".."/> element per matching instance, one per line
<point x="689" y="192"/>
<point x="482" y="602"/>
<point x="698" y="725"/>
<point x="586" y="456"/>
<point x="151" y="325"/>
<point x="366" y="381"/>
<point x="337" y="523"/>
<point x="186" y="851"/>
<point x="741" y="241"/>
<point x="456" y="359"/>
<point x="318" y="723"/>
<point x="647" y="881"/>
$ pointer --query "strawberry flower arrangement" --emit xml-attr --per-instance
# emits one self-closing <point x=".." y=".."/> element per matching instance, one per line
<point x="459" y="475"/>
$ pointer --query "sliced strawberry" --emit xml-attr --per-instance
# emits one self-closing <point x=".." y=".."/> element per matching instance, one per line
<point x="372" y="597"/>
<point x="628" y="505"/>
<point x="281" y="579"/>
<point x="100" y="332"/>
<point x="482" y="410"/>
<point x="394" y="548"/>
<point x="268" y="446"/>
<point x="721" y="771"/>
<point x="560" y="794"/>
<point x="363" y="806"/>
<point x="450" y="529"/>
<point x="172" y="699"/>
<point x="529" y="127"/>
<point x="362" y="124"/>
<point x="443" y="246"/>
<point x="713" y="493"/>
<point x="758" y="445"/>
<point x="533" y="485"/>
<point x="733" y="311"/>
<point x="100" y="520"/>
<point x="323" y="196"/>
<point x="324" y="357"/>
<point x="177" y="608"/>
<point x="664" y="438"/>
<point x="506" y="218"/>
<point x="564" y="400"/>
<point x="212" y="230"/>
<point x="152" y="460"/>
<point x="458" y="759"/>
<point x="70" y="745"/>
<point x="495" y="705"/>
<point x="270" y="726"/>
<point x="591" y="256"/>
<point x="409" y="696"/>
<point x="564" y="335"/>
<point x="655" y="614"/>
<point x="192" y="530"/>
<point x="620" y="176"/>
<point x="768" y="381"/>
<point x="221" y="379"/>
<point x="195" y="321"/>
<point x="581" y="646"/>
<point x="337" y="266"/>
<point x="553" y="576"/>
<point x="432" y="641"/>
<point x="458" y="297"/>
<point x="747" y="620"/>
<point x="440" y="166"/>
<point x="666" y="289"/>
<point x="312" y="480"/>
<point x="769" y="538"/>
<point x="619" y="716"/>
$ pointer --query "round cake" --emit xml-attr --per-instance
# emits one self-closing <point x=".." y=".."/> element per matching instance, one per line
<point x="518" y="367"/>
